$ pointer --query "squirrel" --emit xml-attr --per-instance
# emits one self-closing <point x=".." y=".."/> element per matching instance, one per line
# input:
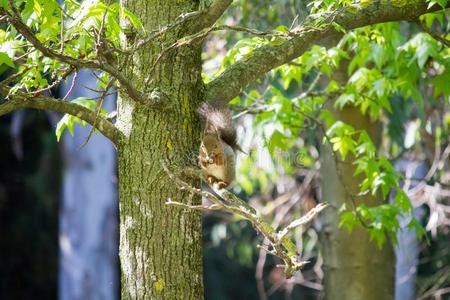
<point x="217" y="155"/>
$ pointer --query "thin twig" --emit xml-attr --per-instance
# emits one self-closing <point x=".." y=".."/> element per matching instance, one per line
<point x="97" y="112"/>
<point x="72" y="85"/>
<point x="178" y="21"/>
<point x="434" y="34"/>
<point x="61" y="33"/>
<point x="63" y="77"/>
<point x="303" y="220"/>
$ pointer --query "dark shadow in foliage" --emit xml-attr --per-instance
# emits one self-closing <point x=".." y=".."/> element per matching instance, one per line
<point x="29" y="190"/>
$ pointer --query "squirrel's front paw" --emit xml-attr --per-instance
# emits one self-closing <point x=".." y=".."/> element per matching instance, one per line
<point x="210" y="180"/>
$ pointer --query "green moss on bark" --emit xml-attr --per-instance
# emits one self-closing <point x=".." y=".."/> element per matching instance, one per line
<point x="160" y="246"/>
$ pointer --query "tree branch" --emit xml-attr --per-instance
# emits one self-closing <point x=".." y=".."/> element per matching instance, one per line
<point x="210" y="15"/>
<point x="15" y="20"/>
<point x="223" y="200"/>
<point x="265" y="58"/>
<point x="437" y="36"/>
<point x="20" y="100"/>
<point x="303" y="220"/>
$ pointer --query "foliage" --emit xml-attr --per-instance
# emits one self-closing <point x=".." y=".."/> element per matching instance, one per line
<point x="383" y="63"/>
<point x="392" y="72"/>
<point x="74" y="31"/>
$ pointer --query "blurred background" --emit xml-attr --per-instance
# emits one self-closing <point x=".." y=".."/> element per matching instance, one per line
<point x="59" y="210"/>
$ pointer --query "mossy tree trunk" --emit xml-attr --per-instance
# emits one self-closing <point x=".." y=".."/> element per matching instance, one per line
<point x="160" y="245"/>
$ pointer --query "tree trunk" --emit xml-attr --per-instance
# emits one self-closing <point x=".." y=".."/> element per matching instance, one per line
<point x="354" y="266"/>
<point x="160" y="245"/>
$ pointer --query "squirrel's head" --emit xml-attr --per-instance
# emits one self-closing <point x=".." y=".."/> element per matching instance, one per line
<point x="211" y="146"/>
<point x="212" y="143"/>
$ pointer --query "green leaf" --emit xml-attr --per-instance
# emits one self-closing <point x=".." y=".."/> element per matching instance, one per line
<point x="348" y="220"/>
<point x="377" y="235"/>
<point x="68" y="121"/>
<point x="401" y="199"/>
<point x="135" y="21"/>
<point x="340" y="135"/>
<point x="277" y="140"/>
<point x="338" y="27"/>
<point x="5" y="59"/>
<point x="422" y="46"/>
<point x="441" y="83"/>
<point x="441" y="3"/>
<point x="343" y="100"/>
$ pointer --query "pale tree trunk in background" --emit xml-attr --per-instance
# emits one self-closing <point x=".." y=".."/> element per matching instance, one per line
<point x="160" y="245"/>
<point x="88" y="236"/>
<point x="407" y="250"/>
<point x="354" y="267"/>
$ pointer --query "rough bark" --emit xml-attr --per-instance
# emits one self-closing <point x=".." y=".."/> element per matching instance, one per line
<point x="160" y="246"/>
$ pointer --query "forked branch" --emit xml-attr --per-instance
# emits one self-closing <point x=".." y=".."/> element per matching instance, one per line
<point x="279" y="243"/>
<point x="211" y="14"/>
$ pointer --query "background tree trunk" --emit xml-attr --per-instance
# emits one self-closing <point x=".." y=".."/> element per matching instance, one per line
<point x="354" y="267"/>
<point x="160" y="246"/>
<point x="88" y="233"/>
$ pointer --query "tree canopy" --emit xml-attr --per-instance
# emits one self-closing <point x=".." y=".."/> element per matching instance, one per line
<point x="389" y="60"/>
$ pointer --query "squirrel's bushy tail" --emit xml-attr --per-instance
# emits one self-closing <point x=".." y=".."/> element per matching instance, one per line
<point x="218" y="117"/>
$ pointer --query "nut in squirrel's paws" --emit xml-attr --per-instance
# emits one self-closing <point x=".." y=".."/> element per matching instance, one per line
<point x="215" y="183"/>
<point x="220" y="184"/>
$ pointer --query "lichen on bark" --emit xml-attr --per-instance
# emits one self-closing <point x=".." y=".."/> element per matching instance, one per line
<point x="160" y="247"/>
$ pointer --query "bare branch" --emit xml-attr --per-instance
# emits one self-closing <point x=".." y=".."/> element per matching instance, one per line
<point x="20" y="100"/>
<point x="250" y="30"/>
<point x="223" y="200"/>
<point x="303" y="220"/>
<point x="198" y="207"/>
<point x="63" y="77"/>
<point x="98" y="110"/>
<point x="72" y="85"/>
<point x="265" y="58"/>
